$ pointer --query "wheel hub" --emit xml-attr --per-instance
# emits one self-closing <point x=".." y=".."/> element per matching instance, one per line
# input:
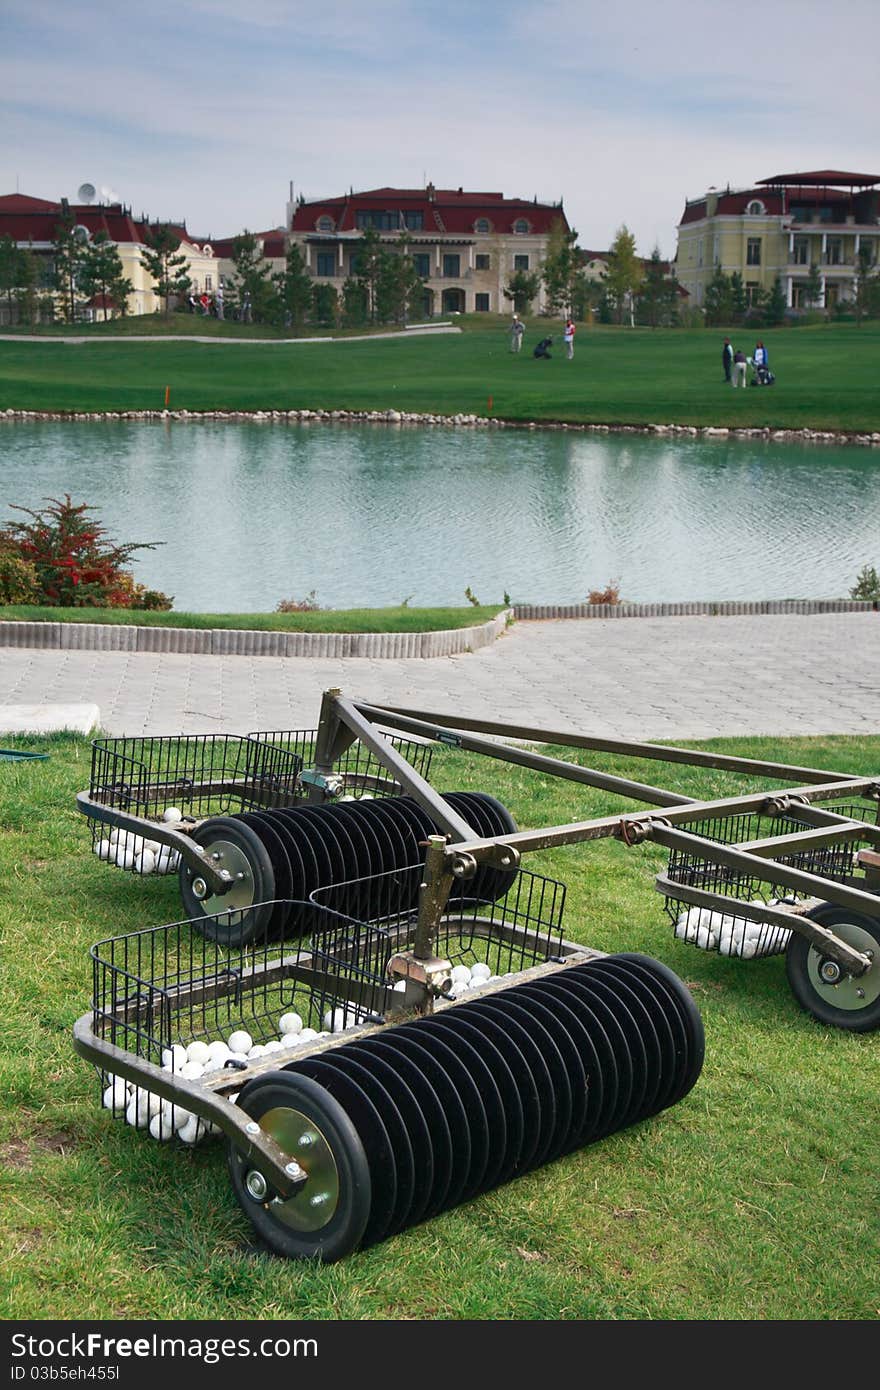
<point x="831" y="981"/>
<point x="240" y="895"/>
<point x="313" y="1204"/>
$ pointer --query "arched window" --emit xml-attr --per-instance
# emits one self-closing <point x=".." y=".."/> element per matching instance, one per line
<point x="756" y="208"/>
<point x="482" y="227"/>
<point x="81" y="233"/>
<point x="521" y="227"/>
<point x="324" y="224"/>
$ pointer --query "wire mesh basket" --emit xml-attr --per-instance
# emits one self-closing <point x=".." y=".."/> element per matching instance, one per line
<point x="733" y="932"/>
<point x="187" y="778"/>
<point x="170" y="986"/>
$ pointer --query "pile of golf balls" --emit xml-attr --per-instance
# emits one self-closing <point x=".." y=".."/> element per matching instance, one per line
<point x="729" y="935"/>
<point x="129" y="851"/>
<point x="162" y="1120"/>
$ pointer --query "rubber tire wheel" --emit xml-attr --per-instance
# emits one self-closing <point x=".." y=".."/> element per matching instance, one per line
<point x="797" y="958"/>
<point x="345" y="1229"/>
<point x="255" y="921"/>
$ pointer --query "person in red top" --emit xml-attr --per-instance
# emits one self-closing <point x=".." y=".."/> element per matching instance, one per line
<point x="205" y="301"/>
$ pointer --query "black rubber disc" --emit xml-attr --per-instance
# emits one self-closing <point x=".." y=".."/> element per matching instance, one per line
<point x="632" y="997"/>
<point x="688" y="1013"/>
<point x="667" y="1026"/>
<point x="429" y="1103"/>
<point x="373" y="1136"/>
<point x="486" y="1116"/>
<point x="574" y="1012"/>
<point x="522" y="1030"/>
<point x="424" y="1053"/>
<point x="610" y="1042"/>
<point x="516" y="1085"/>
<point x="246" y="906"/>
<point x="277" y="852"/>
<point x="560" y="1056"/>
<point x="386" y="1104"/>
<point x="411" y="1113"/>
<point x="634" y="1046"/>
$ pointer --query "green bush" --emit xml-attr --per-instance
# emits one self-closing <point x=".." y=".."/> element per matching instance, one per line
<point x="18" y="578"/>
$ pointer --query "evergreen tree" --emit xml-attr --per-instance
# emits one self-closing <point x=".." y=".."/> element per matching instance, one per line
<point x="522" y="288"/>
<point x="561" y="271"/>
<point x="253" y="285"/>
<point x="624" y="278"/>
<point x="295" y="288"/>
<point x="68" y="250"/>
<point x="28" y="285"/>
<point x="399" y="289"/>
<point x="774" y="311"/>
<point x="102" y="273"/>
<point x="812" y="292"/>
<point x="370" y="263"/>
<point x="739" y="301"/>
<point x="354" y="303"/>
<point x="718" y="301"/>
<point x="324" y="304"/>
<point x="10" y="274"/>
<point x="166" y="265"/>
<point x="653" y="292"/>
<point x="866" y="301"/>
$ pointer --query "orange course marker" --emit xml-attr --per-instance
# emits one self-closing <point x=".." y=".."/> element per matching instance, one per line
<point x="167" y="396"/>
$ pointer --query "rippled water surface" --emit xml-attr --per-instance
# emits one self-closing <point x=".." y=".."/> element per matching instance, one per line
<point x="370" y="515"/>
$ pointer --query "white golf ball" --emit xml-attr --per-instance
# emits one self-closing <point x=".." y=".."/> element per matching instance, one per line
<point x="191" y="1071"/>
<point x="116" y="1095"/>
<point x="273" y="1045"/>
<point x="140" y="1111"/>
<point x="307" y="1035"/>
<point x="123" y="858"/>
<point x="460" y="974"/>
<point x="198" y="1051"/>
<point x="337" y="1020"/>
<point x="174" y="1057"/>
<point x="167" y="860"/>
<point x="240" y="1041"/>
<point x="145" y="862"/>
<point x="258" y="1050"/>
<point x="161" y="1126"/>
<point x="175" y="1115"/>
<point x="172" y="815"/>
<point x="290" y="1023"/>
<point x="103" y="849"/>
<point x="218" y="1050"/>
<point x="291" y="1040"/>
<point x="480" y="972"/>
<point x="237" y="1057"/>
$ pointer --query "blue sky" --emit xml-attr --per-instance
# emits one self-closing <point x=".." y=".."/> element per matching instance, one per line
<point x="206" y="109"/>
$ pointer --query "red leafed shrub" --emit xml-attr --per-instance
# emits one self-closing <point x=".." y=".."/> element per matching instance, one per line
<point x="75" y="562"/>
<point x="610" y="594"/>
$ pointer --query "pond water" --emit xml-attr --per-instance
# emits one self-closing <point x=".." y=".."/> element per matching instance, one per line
<point x="368" y="516"/>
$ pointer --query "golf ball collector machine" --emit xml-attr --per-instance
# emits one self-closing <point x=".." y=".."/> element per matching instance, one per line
<point x="439" y="1092"/>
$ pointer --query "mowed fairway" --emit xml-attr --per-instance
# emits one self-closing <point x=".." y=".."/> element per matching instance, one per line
<point x="826" y="376"/>
<point x="753" y="1198"/>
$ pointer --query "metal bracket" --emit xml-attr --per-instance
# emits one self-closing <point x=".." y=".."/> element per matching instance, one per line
<point x="331" y="784"/>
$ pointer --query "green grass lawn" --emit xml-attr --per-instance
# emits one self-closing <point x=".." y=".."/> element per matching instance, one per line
<point x="826" y="376"/>
<point x="754" y="1198"/>
<point x="399" y="619"/>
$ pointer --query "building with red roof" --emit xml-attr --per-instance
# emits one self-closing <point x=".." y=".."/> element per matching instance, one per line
<point x="781" y="228"/>
<point x="466" y="245"/>
<point x="32" y="223"/>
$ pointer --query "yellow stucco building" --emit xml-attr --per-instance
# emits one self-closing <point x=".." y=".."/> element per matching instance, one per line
<point x="781" y="228"/>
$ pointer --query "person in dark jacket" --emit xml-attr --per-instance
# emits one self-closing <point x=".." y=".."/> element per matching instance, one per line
<point x="727" y="358"/>
<point x="542" y="349"/>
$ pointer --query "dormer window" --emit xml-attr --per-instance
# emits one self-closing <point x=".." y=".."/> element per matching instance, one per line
<point x="482" y="227"/>
<point x="521" y="227"/>
<point x="756" y="208"/>
<point x="324" y="224"/>
<point x="81" y="234"/>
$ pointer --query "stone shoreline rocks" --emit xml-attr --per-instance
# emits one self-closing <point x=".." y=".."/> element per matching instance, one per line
<point x="459" y="421"/>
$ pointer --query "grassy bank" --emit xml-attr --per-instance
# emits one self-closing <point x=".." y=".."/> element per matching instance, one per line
<point x="754" y="1198"/>
<point x="826" y="376"/>
<point x="398" y="619"/>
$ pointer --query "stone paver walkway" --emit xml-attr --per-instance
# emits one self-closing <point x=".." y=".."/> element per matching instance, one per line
<point x="641" y="678"/>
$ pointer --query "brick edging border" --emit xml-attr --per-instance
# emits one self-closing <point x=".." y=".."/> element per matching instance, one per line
<point x="109" y="637"/>
<point x="722" y="609"/>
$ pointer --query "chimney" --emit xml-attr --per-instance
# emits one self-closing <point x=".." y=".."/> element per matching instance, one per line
<point x="430" y="190"/>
